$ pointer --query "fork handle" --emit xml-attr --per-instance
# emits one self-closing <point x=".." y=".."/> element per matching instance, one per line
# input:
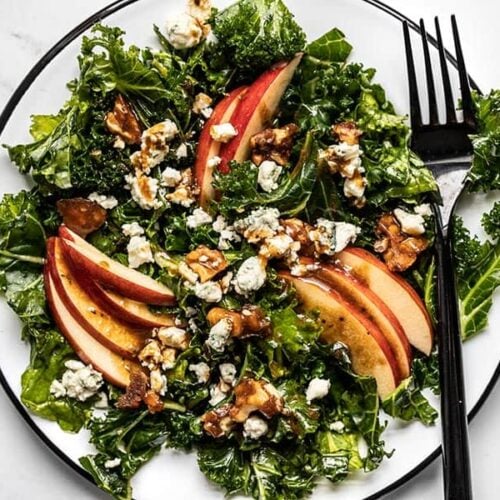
<point x="455" y="442"/>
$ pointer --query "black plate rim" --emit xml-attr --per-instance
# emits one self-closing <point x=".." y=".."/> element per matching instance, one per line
<point x="4" y="118"/>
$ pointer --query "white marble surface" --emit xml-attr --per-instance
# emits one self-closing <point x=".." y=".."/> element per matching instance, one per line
<point x="27" y="30"/>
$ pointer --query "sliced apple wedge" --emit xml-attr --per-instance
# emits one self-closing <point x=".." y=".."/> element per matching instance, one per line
<point x="111" y="274"/>
<point x="359" y="295"/>
<point x="116" y="336"/>
<point x="256" y="110"/>
<point x="370" y="352"/>
<point x="401" y="298"/>
<point x="208" y="148"/>
<point x="113" y="367"/>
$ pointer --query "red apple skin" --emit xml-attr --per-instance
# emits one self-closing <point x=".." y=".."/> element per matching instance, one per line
<point x="370" y="305"/>
<point x="371" y="354"/>
<point x="208" y="148"/>
<point x="403" y="300"/>
<point x="114" y="335"/>
<point x="111" y="274"/>
<point x="115" y="369"/>
<point x="256" y="110"/>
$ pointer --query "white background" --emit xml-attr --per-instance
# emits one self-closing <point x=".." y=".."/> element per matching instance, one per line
<point x="28" y="470"/>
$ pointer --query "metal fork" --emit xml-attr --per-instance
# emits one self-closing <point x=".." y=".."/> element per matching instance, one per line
<point x="447" y="151"/>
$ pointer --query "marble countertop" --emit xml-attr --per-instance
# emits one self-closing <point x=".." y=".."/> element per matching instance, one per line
<point x="27" y="468"/>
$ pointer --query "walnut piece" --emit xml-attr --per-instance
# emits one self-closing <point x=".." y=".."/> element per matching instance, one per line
<point x="273" y="144"/>
<point x="400" y="251"/>
<point x="123" y="122"/>
<point x="255" y="395"/>
<point x="153" y="402"/>
<point x="347" y="132"/>
<point x="135" y="392"/>
<point x="251" y="320"/>
<point x="218" y="422"/>
<point x="81" y="215"/>
<point x="299" y="231"/>
<point x="206" y="263"/>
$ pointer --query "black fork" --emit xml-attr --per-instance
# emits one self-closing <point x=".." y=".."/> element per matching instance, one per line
<point x="446" y="150"/>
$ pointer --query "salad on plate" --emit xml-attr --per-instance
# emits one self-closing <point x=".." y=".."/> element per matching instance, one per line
<point x="228" y="250"/>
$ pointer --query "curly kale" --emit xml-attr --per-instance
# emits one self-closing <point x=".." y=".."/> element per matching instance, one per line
<point x="254" y="34"/>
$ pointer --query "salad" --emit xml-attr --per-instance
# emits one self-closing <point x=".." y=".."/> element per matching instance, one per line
<point x="228" y="249"/>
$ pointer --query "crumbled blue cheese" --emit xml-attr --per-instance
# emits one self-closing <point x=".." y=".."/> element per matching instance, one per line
<point x="346" y="159"/>
<point x="345" y="234"/>
<point x="106" y="202"/>
<point x="213" y="162"/>
<point x="259" y="224"/>
<point x="210" y="291"/>
<point x="424" y="210"/>
<point x="223" y="132"/>
<point x="251" y="276"/>
<point x="150" y="355"/>
<point x="183" y="31"/>
<point x="154" y="146"/>
<point x="168" y="358"/>
<point x="79" y="382"/>
<point x="113" y="463"/>
<point x="219" y="335"/>
<point x="198" y="218"/>
<point x="269" y="173"/>
<point x="412" y="224"/>
<point x="139" y="252"/>
<point x="172" y="336"/>
<point x="201" y="370"/>
<point x="228" y="373"/>
<point x="201" y="103"/>
<point x="279" y="246"/>
<point x="181" y="151"/>
<point x="254" y="427"/>
<point x="143" y="190"/>
<point x="132" y="229"/>
<point x="318" y="388"/>
<point x="217" y="394"/>
<point x="337" y="426"/>
<point x="331" y="237"/>
<point x="227" y="234"/>
<point x="158" y="382"/>
<point x="187" y="273"/>
<point x="170" y="177"/>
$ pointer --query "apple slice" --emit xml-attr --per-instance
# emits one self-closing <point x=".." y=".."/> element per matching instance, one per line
<point x="111" y="333"/>
<point x="256" y="110"/>
<point x="111" y="274"/>
<point x="370" y="352"/>
<point x="370" y="304"/>
<point x="208" y="148"/>
<point x="113" y="367"/>
<point x="401" y="298"/>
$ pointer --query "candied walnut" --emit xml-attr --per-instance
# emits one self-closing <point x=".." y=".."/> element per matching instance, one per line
<point x="206" y="263"/>
<point x="400" y="251"/>
<point x="251" y="320"/>
<point x="218" y="422"/>
<point x="347" y="132"/>
<point x="135" y="392"/>
<point x="273" y="144"/>
<point x="123" y="122"/>
<point x="81" y="216"/>
<point x="153" y="402"/>
<point x="299" y="231"/>
<point x="186" y="191"/>
<point x="255" y="395"/>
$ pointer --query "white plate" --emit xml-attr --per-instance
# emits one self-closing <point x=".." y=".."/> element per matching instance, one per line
<point x="377" y="40"/>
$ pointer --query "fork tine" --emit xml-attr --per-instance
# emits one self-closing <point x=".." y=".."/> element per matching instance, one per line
<point x="467" y="104"/>
<point x="415" y="115"/>
<point x="431" y="91"/>
<point x="451" y="116"/>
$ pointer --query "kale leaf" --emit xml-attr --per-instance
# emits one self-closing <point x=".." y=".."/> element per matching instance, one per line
<point x="485" y="172"/>
<point x="332" y="46"/>
<point x="478" y="274"/>
<point x="254" y="34"/>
